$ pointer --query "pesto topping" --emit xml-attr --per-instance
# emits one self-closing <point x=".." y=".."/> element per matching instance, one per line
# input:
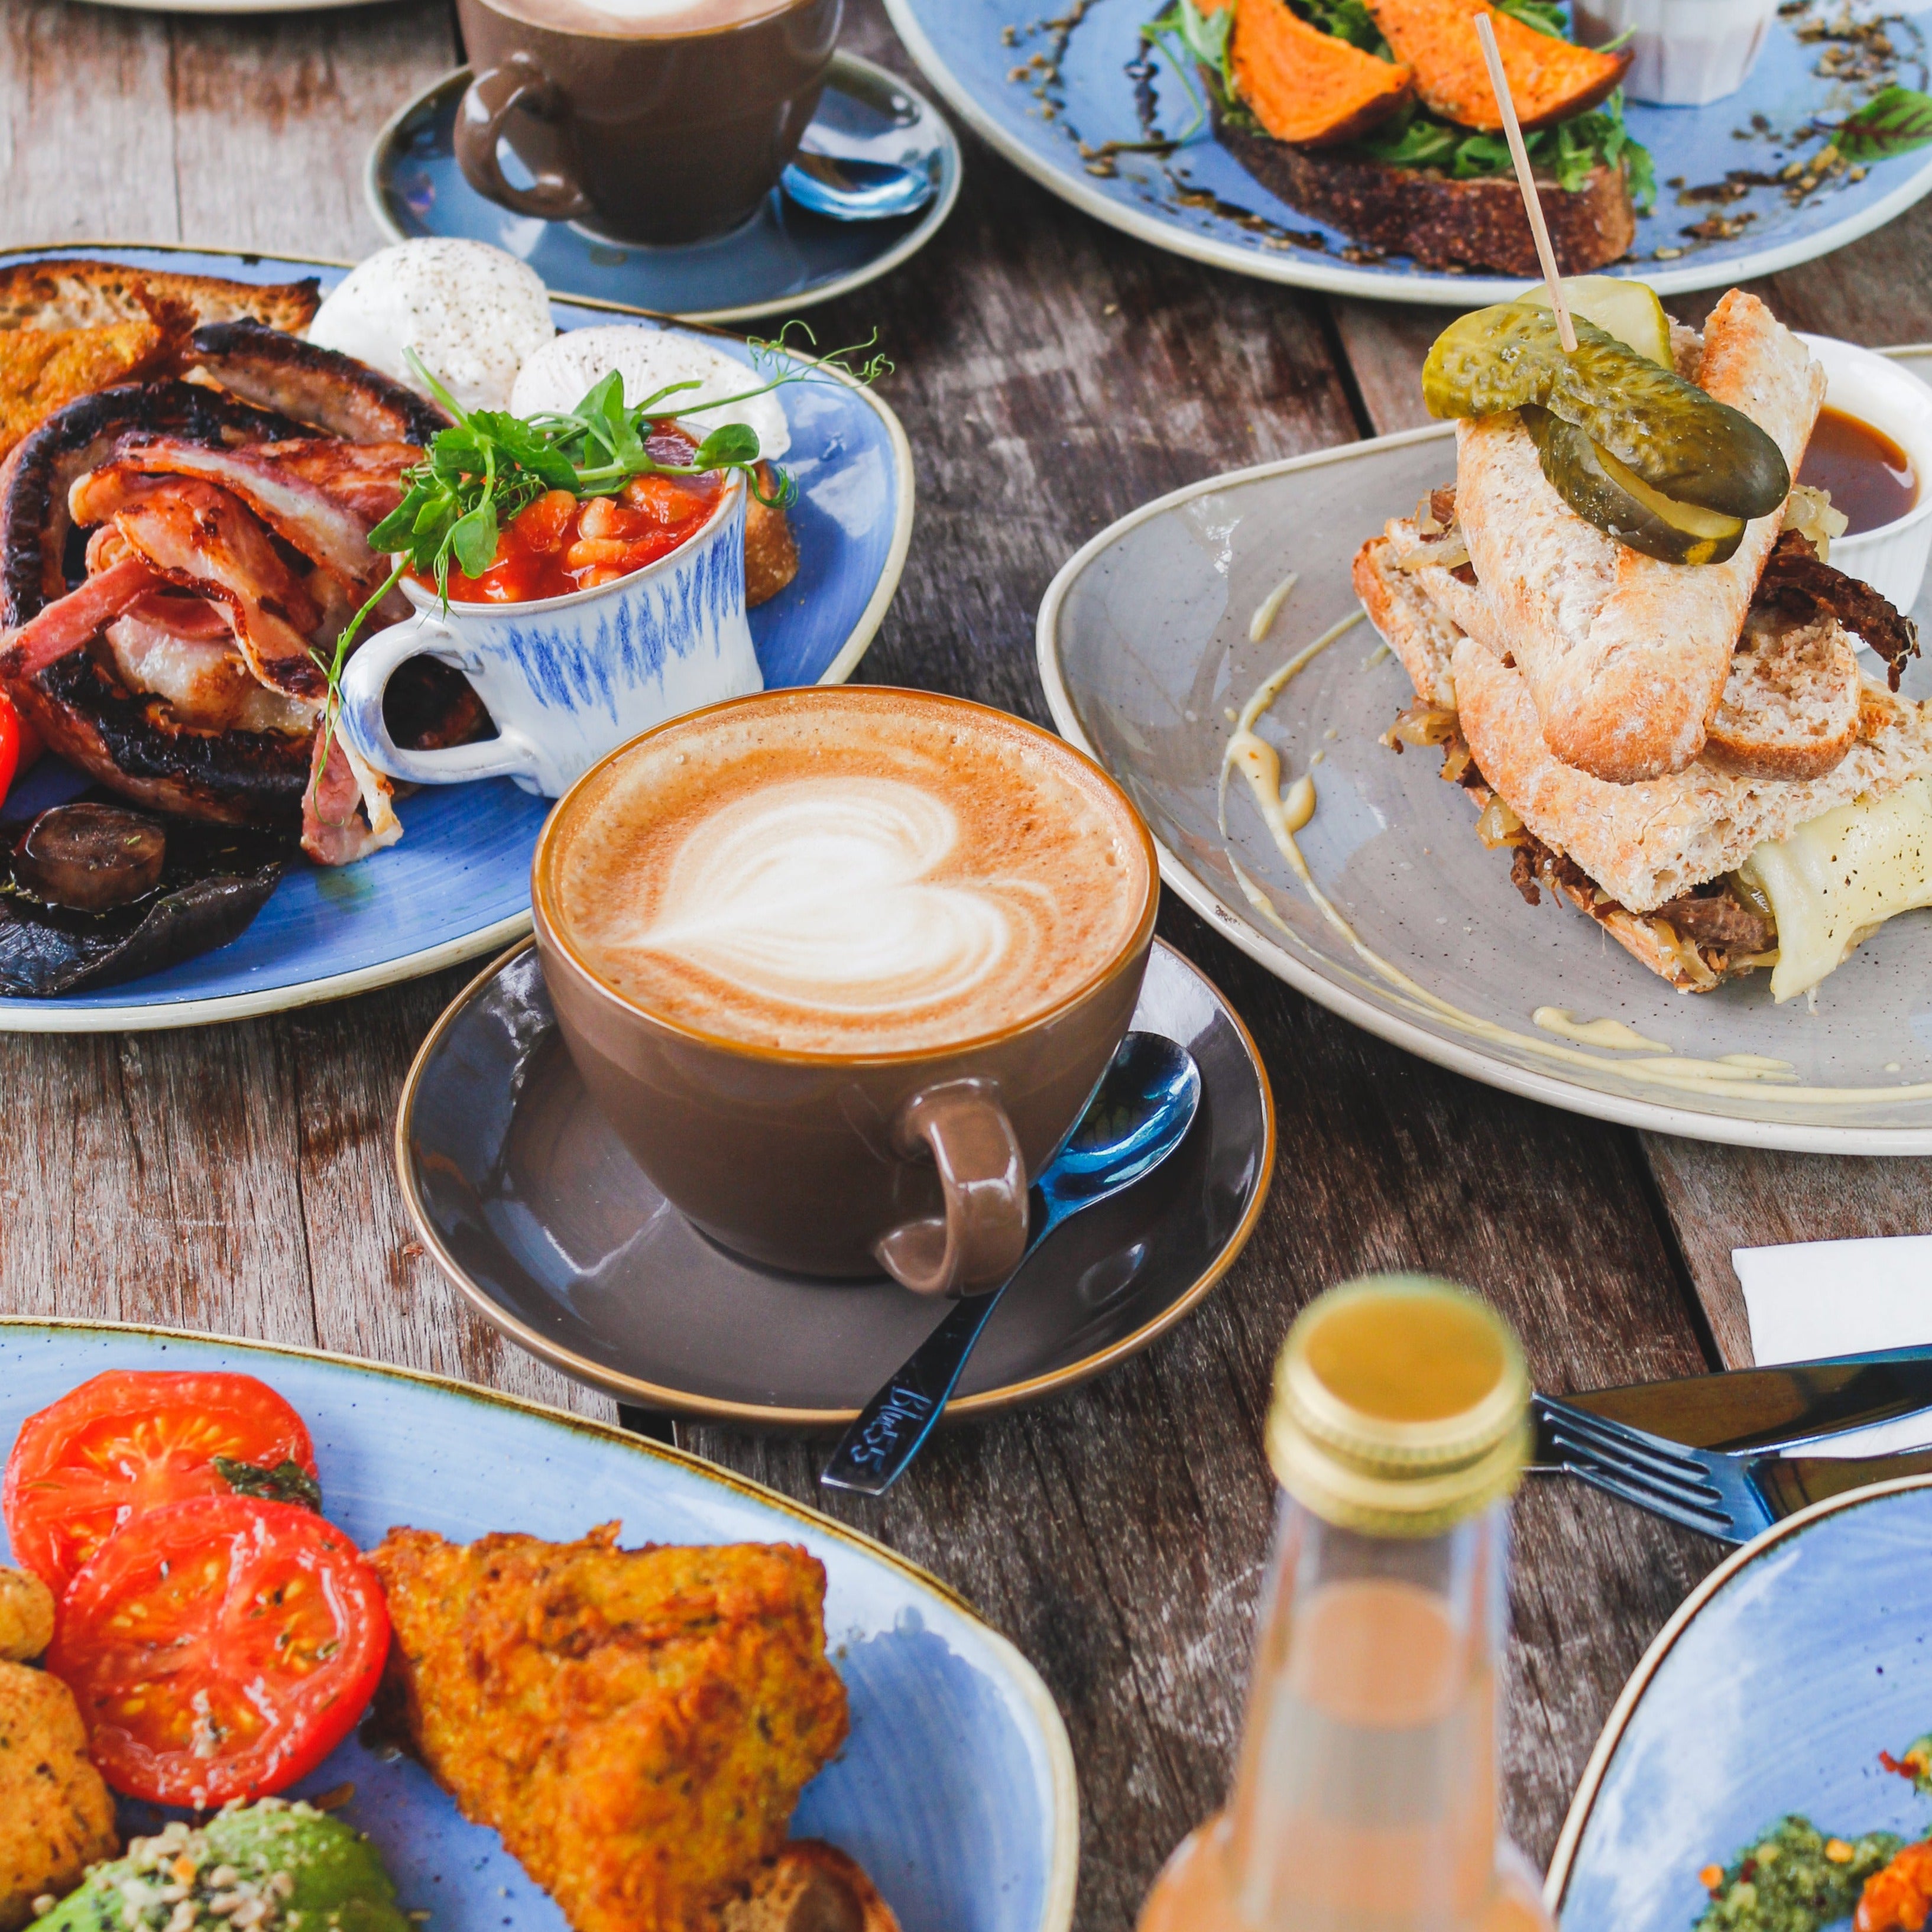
<point x="1794" y="1879"/>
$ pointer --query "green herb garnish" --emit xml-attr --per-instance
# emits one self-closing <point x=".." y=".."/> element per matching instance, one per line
<point x="489" y="465"/>
<point x="287" y="1482"/>
<point x="1894" y="121"/>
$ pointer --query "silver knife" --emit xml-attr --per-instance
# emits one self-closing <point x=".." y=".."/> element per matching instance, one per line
<point x="1745" y="1409"/>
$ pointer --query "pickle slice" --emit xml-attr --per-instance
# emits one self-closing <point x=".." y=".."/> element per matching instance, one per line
<point x="1629" y="311"/>
<point x="1608" y="494"/>
<point x="1677" y="439"/>
<point x="1491" y="360"/>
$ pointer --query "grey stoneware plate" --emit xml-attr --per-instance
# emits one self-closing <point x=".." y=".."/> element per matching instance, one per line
<point x="1771" y="1691"/>
<point x="783" y="259"/>
<point x="1148" y="648"/>
<point x="542" y="1220"/>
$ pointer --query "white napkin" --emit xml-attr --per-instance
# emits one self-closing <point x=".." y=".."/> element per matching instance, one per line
<point x="1813" y="1298"/>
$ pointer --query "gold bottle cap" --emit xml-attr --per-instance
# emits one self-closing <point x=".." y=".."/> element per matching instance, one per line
<point x="1401" y="1407"/>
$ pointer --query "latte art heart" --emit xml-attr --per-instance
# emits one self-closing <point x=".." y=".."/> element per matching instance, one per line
<point x="819" y="893"/>
<point x="864" y="872"/>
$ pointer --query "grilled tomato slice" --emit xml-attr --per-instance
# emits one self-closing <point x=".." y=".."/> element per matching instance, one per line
<point x="221" y="1648"/>
<point x="129" y="1442"/>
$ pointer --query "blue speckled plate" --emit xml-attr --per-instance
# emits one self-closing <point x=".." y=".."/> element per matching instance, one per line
<point x="1772" y="1690"/>
<point x="784" y="259"/>
<point x="1200" y="201"/>
<point x="457" y="885"/>
<point x="956" y="1790"/>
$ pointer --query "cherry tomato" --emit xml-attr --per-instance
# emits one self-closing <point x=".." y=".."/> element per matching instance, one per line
<point x="14" y="730"/>
<point x="221" y="1648"/>
<point x="126" y="1443"/>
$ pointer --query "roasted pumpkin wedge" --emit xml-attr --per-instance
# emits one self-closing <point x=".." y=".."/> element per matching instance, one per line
<point x="1608" y="494"/>
<point x="1549" y="79"/>
<point x="1306" y="86"/>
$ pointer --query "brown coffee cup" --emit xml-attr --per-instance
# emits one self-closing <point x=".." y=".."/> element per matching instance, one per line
<point x="838" y="1164"/>
<point x="651" y="137"/>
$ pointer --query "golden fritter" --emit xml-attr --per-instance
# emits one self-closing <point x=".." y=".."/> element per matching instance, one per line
<point x="26" y="1616"/>
<point x="637" y="1724"/>
<point x="56" y="1818"/>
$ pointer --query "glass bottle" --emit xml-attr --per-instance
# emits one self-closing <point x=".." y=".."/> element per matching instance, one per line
<point x="1365" y="1797"/>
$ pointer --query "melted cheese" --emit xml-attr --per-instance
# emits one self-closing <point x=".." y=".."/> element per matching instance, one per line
<point x="1840" y="877"/>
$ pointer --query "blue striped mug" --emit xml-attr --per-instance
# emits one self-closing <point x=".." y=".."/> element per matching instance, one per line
<point x="568" y="679"/>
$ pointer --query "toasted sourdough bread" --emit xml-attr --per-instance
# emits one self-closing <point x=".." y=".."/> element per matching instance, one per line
<point x="810" y="1886"/>
<point x="1647" y="842"/>
<point x="1625" y="657"/>
<point x="1443" y="223"/>
<point x="59" y="295"/>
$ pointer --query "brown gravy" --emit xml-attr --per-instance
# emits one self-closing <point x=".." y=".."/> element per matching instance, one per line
<point x="1870" y="479"/>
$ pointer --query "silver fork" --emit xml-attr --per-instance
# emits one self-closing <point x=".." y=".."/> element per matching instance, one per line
<point x="1732" y="1497"/>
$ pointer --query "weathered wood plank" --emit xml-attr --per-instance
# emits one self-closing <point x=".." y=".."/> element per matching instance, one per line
<point x="318" y="86"/>
<point x="88" y="144"/>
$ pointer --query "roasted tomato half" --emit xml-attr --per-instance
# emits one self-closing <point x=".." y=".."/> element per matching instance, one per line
<point x="129" y="1442"/>
<point x="221" y="1648"/>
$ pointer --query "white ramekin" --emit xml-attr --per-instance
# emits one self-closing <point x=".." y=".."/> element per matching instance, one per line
<point x="1874" y="388"/>
<point x="1687" y="52"/>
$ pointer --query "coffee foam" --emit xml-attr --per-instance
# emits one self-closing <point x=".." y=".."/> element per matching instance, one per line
<point x="860" y="877"/>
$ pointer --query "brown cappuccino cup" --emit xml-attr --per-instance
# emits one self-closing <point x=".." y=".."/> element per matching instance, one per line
<point x="843" y="966"/>
<point x="650" y="121"/>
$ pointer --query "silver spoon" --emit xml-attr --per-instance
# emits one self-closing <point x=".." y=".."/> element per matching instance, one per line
<point x="1146" y="1102"/>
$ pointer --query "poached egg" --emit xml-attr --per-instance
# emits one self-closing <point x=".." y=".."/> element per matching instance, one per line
<point x="559" y="376"/>
<point x="472" y="312"/>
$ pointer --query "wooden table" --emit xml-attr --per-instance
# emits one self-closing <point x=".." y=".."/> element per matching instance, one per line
<point x="1052" y="376"/>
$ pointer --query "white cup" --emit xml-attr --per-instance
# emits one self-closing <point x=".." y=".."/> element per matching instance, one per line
<point x="1862" y="383"/>
<point x="568" y="679"/>
<point x="1686" y="53"/>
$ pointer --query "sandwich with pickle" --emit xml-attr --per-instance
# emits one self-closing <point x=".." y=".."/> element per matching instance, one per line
<point x="1377" y="116"/>
<point x="1625" y="632"/>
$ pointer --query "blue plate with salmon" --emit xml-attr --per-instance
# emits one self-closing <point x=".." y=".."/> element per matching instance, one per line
<point x="953" y="1788"/>
<point x="457" y="884"/>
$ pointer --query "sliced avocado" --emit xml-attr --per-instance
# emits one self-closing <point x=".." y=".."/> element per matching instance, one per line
<point x="1608" y="494"/>
<point x="320" y="1874"/>
<point x="1675" y="438"/>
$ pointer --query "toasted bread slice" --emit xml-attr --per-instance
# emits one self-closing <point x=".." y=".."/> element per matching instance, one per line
<point x="62" y="294"/>
<point x="1304" y="85"/>
<point x="771" y="550"/>
<point x="810" y="1886"/>
<point x="1421" y="636"/>
<point x="1625" y="657"/>
<point x="1550" y="79"/>
<point x="42" y="370"/>
<point x="1648" y="843"/>
<point x="1444" y="224"/>
<point x="1790" y="707"/>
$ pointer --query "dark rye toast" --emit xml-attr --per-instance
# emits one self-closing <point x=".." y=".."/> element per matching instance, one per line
<point x="1445" y="224"/>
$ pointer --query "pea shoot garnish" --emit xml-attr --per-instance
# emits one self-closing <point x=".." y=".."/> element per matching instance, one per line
<point x="489" y="466"/>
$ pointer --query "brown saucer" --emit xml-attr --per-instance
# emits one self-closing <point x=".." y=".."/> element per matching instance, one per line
<point x="534" y="1210"/>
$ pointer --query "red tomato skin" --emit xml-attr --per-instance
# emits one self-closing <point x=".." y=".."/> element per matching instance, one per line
<point x="12" y="736"/>
<point x="210" y="1649"/>
<point x="61" y="1504"/>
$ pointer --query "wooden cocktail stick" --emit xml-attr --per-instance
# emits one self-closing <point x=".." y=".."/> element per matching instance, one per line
<point x="1526" y="181"/>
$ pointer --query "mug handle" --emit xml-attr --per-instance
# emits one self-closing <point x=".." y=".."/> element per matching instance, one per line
<point x="487" y="105"/>
<point x="365" y="678"/>
<point x="981" y="1237"/>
